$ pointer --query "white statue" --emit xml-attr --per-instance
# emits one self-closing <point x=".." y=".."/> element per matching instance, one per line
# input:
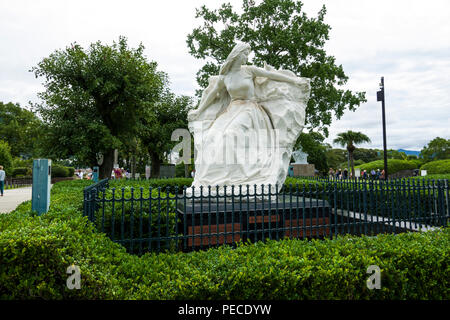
<point x="300" y="157"/>
<point x="246" y="124"/>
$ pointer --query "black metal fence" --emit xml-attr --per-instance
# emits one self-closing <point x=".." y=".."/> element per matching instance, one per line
<point x="151" y="219"/>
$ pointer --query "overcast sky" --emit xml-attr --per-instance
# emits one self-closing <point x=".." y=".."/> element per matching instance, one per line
<point x="406" y="41"/>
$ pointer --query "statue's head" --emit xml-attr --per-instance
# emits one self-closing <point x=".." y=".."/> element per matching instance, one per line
<point x="240" y="50"/>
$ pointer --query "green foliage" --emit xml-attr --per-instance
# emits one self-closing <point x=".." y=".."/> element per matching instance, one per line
<point x="437" y="149"/>
<point x="156" y="129"/>
<point x="5" y="157"/>
<point x="179" y="170"/>
<point x="60" y="172"/>
<point x="280" y="34"/>
<point x="437" y="167"/>
<point x="21" y="163"/>
<point x="296" y="270"/>
<point x="394" y="165"/>
<point x="350" y="138"/>
<point x="394" y="154"/>
<point x="335" y="157"/>
<point x="165" y="185"/>
<point x="137" y="220"/>
<point x="21" y="128"/>
<point x="24" y="171"/>
<point x="366" y="155"/>
<point x="433" y="177"/>
<point x="95" y="99"/>
<point x="35" y="252"/>
<point x="71" y="171"/>
<point x="312" y="143"/>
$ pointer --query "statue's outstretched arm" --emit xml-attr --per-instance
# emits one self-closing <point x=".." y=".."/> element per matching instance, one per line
<point x="278" y="76"/>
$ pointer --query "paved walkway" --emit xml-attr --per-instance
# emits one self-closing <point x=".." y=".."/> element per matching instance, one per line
<point x="13" y="197"/>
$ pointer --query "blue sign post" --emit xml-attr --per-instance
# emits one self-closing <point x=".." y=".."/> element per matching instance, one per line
<point x="40" y="194"/>
<point x="95" y="174"/>
<point x="291" y="171"/>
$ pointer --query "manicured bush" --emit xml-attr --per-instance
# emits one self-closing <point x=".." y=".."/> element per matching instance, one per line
<point x="149" y="217"/>
<point x="394" y="165"/>
<point x="71" y="171"/>
<point x="59" y="172"/>
<point x="35" y="252"/>
<point x="295" y="270"/>
<point x="437" y="167"/>
<point x="433" y="177"/>
<point x="166" y="185"/>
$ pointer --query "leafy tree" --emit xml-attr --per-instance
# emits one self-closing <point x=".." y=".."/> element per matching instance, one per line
<point x="168" y="114"/>
<point x="95" y="99"/>
<point x="312" y="144"/>
<point x="366" y="155"/>
<point x="335" y="157"/>
<point x="349" y="139"/>
<point x="21" y="128"/>
<point x="393" y="154"/>
<point x="280" y="34"/>
<point x="6" y="159"/>
<point x="436" y="149"/>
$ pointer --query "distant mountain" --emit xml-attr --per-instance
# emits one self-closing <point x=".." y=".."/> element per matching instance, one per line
<point x="410" y="152"/>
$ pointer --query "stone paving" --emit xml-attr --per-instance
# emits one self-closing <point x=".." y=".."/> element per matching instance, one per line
<point x="13" y="197"/>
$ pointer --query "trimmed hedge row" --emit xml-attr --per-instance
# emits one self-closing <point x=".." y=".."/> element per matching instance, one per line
<point x="166" y="185"/>
<point x="36" y="251"/>
<point x="437" y="167"/>
<point x="62" y="172"/>
<point x="394" y="165"/>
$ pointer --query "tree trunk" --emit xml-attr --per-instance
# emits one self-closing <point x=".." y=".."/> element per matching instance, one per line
<point x="133" y="166"/>
<point x="156" y="163"/>
<point x="186" y="171"/>
<point x="352" y="165"/>
<point x="107" y="165"/>
<point x="350" y="149"/>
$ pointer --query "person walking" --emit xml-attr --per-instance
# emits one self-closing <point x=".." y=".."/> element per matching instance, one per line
<point x="2" y="180"/>
<point x="331" y="173"/>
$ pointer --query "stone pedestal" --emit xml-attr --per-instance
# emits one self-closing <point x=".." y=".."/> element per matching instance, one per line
<point x="214" y="222"/>
<point x="303" y="170"/>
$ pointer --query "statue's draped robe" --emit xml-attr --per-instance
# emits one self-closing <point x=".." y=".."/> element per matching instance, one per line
<point x="244" y="143"/>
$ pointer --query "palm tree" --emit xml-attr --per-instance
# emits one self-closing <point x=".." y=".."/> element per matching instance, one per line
<point x="349" y="139"/>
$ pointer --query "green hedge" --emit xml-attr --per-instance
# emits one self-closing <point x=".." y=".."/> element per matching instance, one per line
<point x="60" y="172"/>
<point x="437" y="167"/>
<point x="71" y="171"/>
<point x="394" y="165"/>
<point x="21" y="171"/>
<point x="36" y="251"/>
<point x="127" y="219"/>
<point x="166" y="185"/>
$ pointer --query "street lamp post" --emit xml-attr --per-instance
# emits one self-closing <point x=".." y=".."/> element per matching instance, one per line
<point x="380" y="97"/>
